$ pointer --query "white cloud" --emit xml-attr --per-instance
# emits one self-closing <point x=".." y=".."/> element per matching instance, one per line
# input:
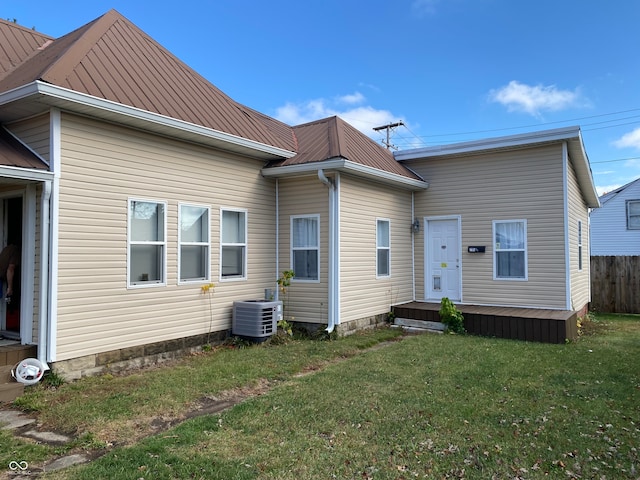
<point x="424" y="7"/>
<point x="519" y="97"/>
<point x="629" y="140"/>
<point x="352" y="99"/>
<point x="362" y="117"/>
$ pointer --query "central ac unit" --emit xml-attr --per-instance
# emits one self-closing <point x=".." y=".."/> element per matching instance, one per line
<point x="255" y="319"/>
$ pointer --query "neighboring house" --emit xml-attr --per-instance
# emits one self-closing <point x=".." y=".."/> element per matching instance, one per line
<point x="130" y="182"/>
<point x="615" y="228"/>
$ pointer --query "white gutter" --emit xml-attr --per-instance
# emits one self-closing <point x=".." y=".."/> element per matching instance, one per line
<point x="333" y="314"/>
<point x="344" y="165"/>
<point x="43" y="313"/>
<point x="30" y="174"/>
<point x="519" y="140"/>
<point x="65" y="94"/>
<point x="567" y="246"/>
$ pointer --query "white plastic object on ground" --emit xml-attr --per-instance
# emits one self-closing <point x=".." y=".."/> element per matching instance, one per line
<point x="28" y="371"/>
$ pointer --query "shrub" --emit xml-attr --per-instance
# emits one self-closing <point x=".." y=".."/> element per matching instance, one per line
<point x="451" y="316"/>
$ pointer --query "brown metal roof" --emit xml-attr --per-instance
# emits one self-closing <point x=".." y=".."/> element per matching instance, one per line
<point x="111" y="58"/>
<point x="14" y="154"/>
<point x="17" y="44"/>
<point x="332" y="138"/>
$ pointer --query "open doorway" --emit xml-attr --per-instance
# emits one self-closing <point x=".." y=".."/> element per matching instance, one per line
<point x="11" y="222"/>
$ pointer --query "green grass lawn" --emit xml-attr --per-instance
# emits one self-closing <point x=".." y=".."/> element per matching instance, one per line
<point x="429" y="406"/>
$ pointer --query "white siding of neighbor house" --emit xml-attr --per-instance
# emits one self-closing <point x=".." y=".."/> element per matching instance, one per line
<point x="362" y="203"/>
<point x="523" y="184"/>
<point x="102" y="167"/>
<point x="35" y="133"/>
<point x="306" y="301"/>
<point x="578" y="211"/>
<point x="609" y="233"/>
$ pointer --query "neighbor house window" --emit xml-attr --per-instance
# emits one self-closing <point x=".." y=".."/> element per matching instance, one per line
<point x="233" y="244"/>
<point x="510" y="249"/>
<point x="579" y="244"/>
<point x="633" y="214"/>
<point x="383" y="250"/>
<point x="193" y="240"/>
<point x="147" y="238"/>
<point x="305" y="247"/>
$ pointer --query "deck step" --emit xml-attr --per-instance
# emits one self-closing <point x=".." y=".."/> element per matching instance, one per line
<point x="5" y="374"/>
<point x="10" y="391"/>
<point x="418" y="326"/>
<point x="11" y="355"/>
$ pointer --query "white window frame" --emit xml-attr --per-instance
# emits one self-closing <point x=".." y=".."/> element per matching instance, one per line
<point x="131" y="243"/>
<point x="628" y="205"/>
<point x="580" y="245"/>
<point x="206" y="243"/>
<point x="315" y="217"/>
<point x="379" y="248"/>
<point x="244" y="245"/>
<point x="496" y="250"/>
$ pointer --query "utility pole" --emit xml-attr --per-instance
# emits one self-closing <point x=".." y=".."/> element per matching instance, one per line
<point x="389" y="128"/>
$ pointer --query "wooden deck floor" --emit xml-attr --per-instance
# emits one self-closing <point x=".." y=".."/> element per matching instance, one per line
<point x="530" y="324"/>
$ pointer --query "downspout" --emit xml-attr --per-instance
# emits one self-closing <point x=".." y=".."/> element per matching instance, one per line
<point x="333" y="313"/>
<point x="56" y="162"/>
<point x="277" y="292"/>
<point x="43" y="314"/>
<point x="567" y="246"/>
<point x="413" y="248"/>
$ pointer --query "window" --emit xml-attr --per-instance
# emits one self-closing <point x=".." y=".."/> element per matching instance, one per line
<point x="147" y="243"/>
<point x="579" y="244"/>
<point x="305" y="247"/>
<point x="193" y="240"/>
<point x="383" y="250"/>
<point x="510" y="252"/>
<point x="633" y="214"/>
<point x="233" y="244"/>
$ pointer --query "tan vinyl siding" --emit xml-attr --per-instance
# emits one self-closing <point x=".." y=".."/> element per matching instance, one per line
<point x="34" y="133"/>
<point x="102" y="167"/>
<point x="578" y="211"/>
<point x="36" y="263"/>
<point x="307" y="301"/>
<point x="517" y="185"/>
<point x="362" y="203"/>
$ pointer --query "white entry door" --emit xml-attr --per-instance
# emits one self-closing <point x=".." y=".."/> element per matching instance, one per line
<point x="442" y="257"/>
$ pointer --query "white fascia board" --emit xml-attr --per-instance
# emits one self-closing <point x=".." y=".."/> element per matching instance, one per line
<point x="39" y="87"/>
<point x="343" y="165"/>
<point x="524" y="139"/>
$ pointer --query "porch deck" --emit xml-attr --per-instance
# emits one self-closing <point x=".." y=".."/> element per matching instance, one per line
<point x="529" y="324"/>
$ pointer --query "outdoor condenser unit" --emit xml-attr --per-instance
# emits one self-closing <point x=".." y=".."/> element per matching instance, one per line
<point x="256" y="319"/>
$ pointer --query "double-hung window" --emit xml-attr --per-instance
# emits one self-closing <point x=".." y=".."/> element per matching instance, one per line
<point x="633" y="214"/>
<point x="383" y="248"/>
<point x="147" y="238"/>
<point x="305" y="247"/>
<point x="510" y="249"/>
<point x="193" y="239"/>
<point x="233" y="244"/>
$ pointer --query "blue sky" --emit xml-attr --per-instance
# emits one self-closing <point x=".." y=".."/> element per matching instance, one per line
<point x="451" y="70"/>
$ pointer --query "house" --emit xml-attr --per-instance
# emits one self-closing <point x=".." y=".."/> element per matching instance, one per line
<point x="615" y="228"/>
<point x="130" y="182"/>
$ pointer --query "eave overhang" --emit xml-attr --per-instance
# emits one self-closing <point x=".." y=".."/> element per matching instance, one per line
<point x="37" y="97"/>
<point x="346" y="166"/>
<point x="571" y="135"/>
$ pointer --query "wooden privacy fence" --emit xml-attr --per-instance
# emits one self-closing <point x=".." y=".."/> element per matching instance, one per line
<point x="615" y="284"/>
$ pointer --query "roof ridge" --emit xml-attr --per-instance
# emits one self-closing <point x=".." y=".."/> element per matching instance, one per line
<point x="26" y="30"/>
